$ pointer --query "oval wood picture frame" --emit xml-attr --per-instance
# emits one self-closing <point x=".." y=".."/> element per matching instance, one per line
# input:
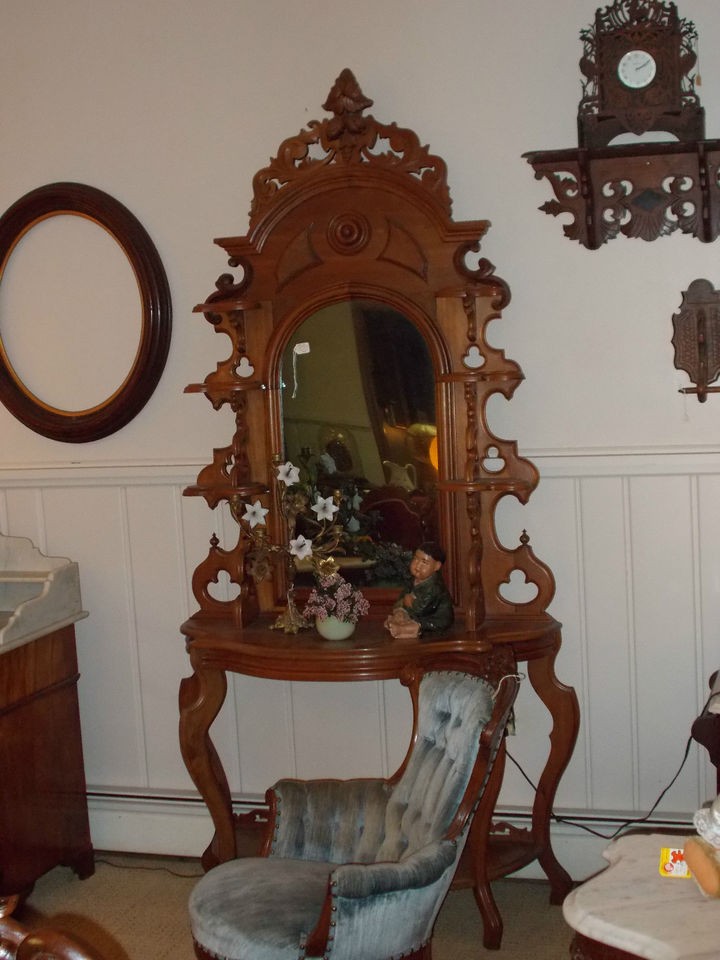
<point x="139" y="384"/>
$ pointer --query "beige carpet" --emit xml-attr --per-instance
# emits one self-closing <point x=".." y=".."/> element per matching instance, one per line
<point x="134" y="908"/>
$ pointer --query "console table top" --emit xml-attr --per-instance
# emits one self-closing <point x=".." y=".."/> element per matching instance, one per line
<point x="369" y="654"/>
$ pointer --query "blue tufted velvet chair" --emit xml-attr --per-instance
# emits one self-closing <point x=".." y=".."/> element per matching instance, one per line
<point x="358" y="869"/>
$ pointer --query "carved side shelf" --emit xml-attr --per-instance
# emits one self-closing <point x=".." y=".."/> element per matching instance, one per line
<point x="645" y="190"/>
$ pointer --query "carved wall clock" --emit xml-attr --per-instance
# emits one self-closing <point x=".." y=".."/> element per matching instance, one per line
<point x="637" y="62"/>
<point x="637" y="65"/>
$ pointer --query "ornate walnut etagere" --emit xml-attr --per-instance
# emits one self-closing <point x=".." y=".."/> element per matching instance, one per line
<point x="353" y="209"/>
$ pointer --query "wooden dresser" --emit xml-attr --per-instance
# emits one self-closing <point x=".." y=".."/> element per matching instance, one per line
<point x="43" y="803"/>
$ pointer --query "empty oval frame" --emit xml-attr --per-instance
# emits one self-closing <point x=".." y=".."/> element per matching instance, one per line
<point x="126" y="400"/>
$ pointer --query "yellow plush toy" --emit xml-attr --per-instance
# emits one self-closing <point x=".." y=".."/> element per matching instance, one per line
<point x="702" y="853"/>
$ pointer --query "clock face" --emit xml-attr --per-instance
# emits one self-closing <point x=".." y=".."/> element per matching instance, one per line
<point x="636" y="69"/>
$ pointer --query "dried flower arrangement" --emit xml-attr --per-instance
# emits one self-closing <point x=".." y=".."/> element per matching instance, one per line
<point x="333" y="596"/>
<point x="323" y="537"/>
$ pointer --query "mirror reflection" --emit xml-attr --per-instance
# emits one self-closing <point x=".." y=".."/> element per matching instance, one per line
<point x="359" y="421"/>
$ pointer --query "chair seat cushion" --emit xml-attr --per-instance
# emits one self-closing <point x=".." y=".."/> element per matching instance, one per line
<point x="258" y="908"/>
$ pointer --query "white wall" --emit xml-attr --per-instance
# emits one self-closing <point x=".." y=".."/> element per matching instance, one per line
<point x="171" y="107"/>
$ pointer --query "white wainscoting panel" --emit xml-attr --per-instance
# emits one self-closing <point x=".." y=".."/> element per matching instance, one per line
<point x="634" y="544"/>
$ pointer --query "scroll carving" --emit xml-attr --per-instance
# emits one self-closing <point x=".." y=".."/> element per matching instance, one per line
<point x="348" y="138"/>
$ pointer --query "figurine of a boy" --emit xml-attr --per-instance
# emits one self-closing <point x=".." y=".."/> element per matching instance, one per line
<point x="427" y="606"/>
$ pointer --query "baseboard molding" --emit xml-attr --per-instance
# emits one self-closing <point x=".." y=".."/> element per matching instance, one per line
<point x="182" y="827"/>
<point x="131" y="824"/>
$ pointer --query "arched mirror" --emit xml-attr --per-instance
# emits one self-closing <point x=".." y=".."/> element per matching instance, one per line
<point x="358" y="409"/>
<point x="110" y="321"/>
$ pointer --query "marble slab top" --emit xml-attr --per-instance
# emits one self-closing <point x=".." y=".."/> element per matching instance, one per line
<point x="38" y="594"/>
<point x="631" y="907"/>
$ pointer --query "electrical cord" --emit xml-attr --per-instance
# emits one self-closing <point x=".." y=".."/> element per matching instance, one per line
<point x="625" y="823"/>
<point x="142" y="866"/>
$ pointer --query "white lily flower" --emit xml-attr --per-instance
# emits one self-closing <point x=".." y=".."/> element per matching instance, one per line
<point x="325" y="508"/>
<point x="255" y="514"/>
<point x="288" y="474"/>
<point x="301" y="547"/>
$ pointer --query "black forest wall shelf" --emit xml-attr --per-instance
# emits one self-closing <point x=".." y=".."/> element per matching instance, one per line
<point x="637" y="65"/>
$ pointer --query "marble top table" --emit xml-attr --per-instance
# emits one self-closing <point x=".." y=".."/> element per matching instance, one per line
<point x="630" y="910"/>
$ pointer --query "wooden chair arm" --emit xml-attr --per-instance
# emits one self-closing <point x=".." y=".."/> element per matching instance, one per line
<point x="19" y="943"/>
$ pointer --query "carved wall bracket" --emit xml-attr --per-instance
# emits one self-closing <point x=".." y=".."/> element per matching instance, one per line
<point x="646" y="190"/>
<point x="697" y="337"/>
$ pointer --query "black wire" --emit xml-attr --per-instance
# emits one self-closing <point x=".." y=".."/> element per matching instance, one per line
<point x="625" y="823"/>
<point x="142" y="866"/>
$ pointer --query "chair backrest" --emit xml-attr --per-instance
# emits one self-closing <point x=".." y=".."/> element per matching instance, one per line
<point x="453" y="709"/>
<point x="460" y="708"/>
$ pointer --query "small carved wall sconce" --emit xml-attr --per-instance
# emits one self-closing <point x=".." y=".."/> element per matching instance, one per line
<point x="697" y="337"/>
